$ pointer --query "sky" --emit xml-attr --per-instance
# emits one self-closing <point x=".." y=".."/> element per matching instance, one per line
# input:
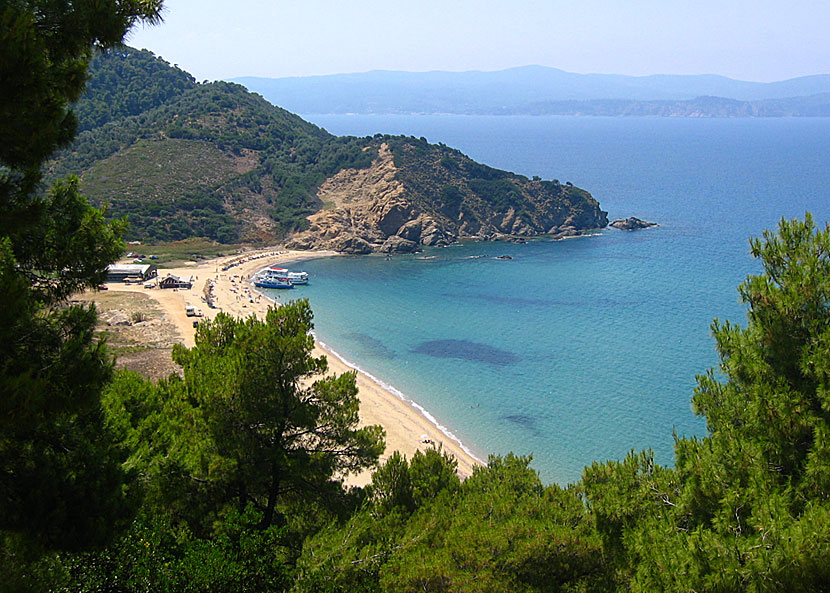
<point x="761" y="40"/>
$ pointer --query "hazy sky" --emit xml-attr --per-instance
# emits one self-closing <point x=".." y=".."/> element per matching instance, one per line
<point x="760" y="40"/>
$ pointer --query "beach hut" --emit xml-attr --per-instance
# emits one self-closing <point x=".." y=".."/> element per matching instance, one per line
<point x="171" y="281"/>
<point x="120" y="272"/>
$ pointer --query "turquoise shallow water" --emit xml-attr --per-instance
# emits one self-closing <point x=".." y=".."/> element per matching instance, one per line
<point x="583" y="349"/>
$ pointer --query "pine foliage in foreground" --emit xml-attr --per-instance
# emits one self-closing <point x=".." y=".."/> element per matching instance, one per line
<point x="62" y="483"/>
<point x="744" y="509"/>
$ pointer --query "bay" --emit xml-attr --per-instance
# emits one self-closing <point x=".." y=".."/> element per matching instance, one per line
<point x="577" y="350"/>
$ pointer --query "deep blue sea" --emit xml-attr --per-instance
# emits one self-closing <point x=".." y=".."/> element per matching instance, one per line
<point x="583" y="349"/>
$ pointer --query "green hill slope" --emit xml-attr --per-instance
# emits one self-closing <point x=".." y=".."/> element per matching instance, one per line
<point x="128" y="82"/>
<point x="184" y="159"/>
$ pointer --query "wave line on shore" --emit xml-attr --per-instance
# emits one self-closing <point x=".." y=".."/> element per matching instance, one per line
<point x="397" y="393"/>
<point x="383" y="385"/>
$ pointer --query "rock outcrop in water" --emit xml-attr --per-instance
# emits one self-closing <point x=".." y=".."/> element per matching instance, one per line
<point x="418" y="194"/>
<point x="631" y="224"/>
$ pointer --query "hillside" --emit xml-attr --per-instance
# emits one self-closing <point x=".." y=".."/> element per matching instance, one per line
<point x="535" y="90"/>
<point x="183" y="159"/>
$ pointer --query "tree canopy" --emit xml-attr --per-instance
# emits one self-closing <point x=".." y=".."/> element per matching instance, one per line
<point x="254" y="421"/>
<point x="61" y="481"/>
<point x="239" y="460"/>
<point x="45" y="49"/>
<point x="746" y="508"/>
<point x="267" y="416"/>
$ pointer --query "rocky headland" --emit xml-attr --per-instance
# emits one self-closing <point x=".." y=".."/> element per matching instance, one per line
<point x="183" y="159"/>
<point x="416" y="194"/>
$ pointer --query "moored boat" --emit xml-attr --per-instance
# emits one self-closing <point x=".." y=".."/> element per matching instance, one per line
<point x="265" y="280"/>
<point x="297" y="277"/>
<point x="284" y="273"/>
<point x="272" y="283"/>
<point x="276" y="277"/>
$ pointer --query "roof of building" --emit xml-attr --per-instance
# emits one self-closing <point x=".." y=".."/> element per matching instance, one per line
<point x="129" y="268"/>
<point x="173" y="278"/>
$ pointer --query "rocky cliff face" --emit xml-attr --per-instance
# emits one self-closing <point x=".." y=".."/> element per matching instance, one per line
<point x="416" y="194"/>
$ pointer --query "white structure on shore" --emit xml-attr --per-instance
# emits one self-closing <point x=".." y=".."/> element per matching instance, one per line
<point x="120" y="272"/>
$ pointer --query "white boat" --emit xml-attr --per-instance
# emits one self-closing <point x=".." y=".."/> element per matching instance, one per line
<point x="293" y="277"/>
<point x="263" y="282"/>
<point x="297" y="277"/>
<point x="266" y="279"/>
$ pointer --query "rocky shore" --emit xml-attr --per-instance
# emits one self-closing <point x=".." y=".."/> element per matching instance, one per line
<point x="631" y="224"/>
<point x="390" y="208"/>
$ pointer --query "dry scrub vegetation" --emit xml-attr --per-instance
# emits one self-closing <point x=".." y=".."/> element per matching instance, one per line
<point x="136" y="330"/>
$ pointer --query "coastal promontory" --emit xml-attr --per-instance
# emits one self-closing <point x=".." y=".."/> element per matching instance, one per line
<point x="184" y="159"/>
<point x="419" y="194"/>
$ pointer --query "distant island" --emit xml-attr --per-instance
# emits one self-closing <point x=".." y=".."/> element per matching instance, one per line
<point x="182" y="159"/>
<point x="537" y="90"/>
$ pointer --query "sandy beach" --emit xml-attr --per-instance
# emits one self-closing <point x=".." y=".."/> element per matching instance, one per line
<point x="406" y="427"/>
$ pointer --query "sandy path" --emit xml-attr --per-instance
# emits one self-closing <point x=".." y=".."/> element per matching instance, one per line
<point x="405" y="425"/>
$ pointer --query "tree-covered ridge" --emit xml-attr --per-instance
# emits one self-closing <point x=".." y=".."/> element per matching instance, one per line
<point x="197" y="159"/>
<point x="124" y="82"/>
<point x="183" y="159"/>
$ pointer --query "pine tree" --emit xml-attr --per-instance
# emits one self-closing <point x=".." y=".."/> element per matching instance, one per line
<point x="61" y="483"/>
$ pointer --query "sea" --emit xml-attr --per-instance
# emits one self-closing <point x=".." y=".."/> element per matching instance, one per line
<point x="585" y="349"/>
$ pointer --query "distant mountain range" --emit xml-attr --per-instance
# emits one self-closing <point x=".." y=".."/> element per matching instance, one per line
<point x="538" y="90"/>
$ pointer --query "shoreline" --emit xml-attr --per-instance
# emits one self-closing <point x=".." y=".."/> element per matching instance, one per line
<point x="409" y="426"/>
<point x="400" y="395"/>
